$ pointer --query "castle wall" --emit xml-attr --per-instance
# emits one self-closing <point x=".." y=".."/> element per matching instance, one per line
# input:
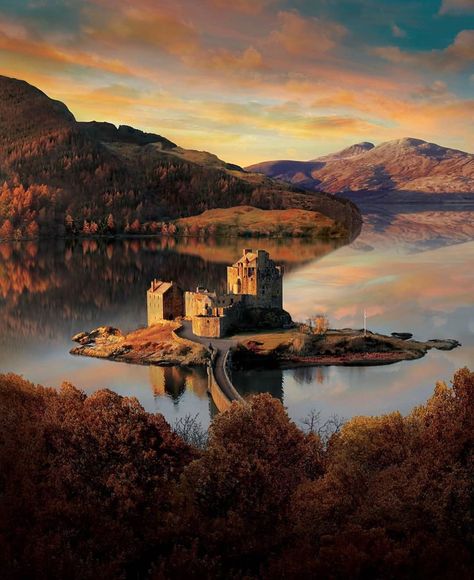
<point x="211" y="326"/>
<point x="198" y="303"/>
<point x="154" y="307"/>
<point x="270" y="288"/>
<point x="173" y="303"/>
<point x="166" y="305"/>
<point x="258" y="279"/>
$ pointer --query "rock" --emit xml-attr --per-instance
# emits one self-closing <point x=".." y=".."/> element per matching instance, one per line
<point x="445" y="344"/>
<point x="80" y="336"/>
<point x="402" y="335"/>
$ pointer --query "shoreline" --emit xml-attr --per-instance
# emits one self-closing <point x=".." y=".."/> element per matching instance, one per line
<point x="160" y="345"/>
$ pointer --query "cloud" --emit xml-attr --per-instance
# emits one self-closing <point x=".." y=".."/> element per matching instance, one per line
<point x="456" y="6"/>
<point x="144" y="28"/>
<point x="16" y="39"/>
<point x="397" y="32"/>
<point x="245" y="6"/>
<point x="456" y="56"/>
<point x="437" y="89"/>
<point x="249" y="59"/>
<point x="306" y="37"/>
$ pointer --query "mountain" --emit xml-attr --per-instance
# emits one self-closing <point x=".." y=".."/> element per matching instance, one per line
<point x="61" y="176"/>
<point x="404" y="165"/>
<point x="348" y="152"/>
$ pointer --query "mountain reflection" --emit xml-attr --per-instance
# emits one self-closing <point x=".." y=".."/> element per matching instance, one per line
<point x="53" y="289"/>
<point x="411" y="270"/>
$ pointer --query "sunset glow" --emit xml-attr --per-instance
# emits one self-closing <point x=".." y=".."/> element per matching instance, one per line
<point x="253" y="80"/>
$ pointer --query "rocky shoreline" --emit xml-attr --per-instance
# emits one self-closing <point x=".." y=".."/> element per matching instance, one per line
<point x="155" y="345"/>
<point x="346" y="347"/>
<point x="161" y="345"/>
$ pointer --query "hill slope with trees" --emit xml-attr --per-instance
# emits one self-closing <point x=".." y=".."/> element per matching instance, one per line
<point x="61" y="177"/>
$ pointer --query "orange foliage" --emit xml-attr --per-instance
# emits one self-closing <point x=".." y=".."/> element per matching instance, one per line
<point x="104" y="489"/>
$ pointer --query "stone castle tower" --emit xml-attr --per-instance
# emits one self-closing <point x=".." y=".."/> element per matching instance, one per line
<point x="254" y="281"/>
<point x="257" y="277"/>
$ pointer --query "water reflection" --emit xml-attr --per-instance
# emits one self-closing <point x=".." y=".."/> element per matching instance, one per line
<point x="174" y="381"/>
<point x="412" y="271"/>
<point x="410" y="268"/>
<point x="51" y="290"/>
<point x="260" y="381"/>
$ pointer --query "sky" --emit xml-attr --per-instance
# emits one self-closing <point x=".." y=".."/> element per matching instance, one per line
<point x="252" y="80"/>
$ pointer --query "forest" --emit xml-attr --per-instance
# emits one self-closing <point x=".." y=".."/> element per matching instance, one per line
<point x="94" y="486"/>
<point x="60" y="177"/>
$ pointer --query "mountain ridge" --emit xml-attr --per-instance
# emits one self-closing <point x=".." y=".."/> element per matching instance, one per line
<point x="402" y="165"/>
<point x="64" y="177"/>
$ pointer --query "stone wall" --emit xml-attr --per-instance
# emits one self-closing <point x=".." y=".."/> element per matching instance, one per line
<point x="167" y="305"/>
<point x="198" y="303"/>
<point x="211" y="326"/>
<point x="154" y="307"/>
<point x="221" y="401"/>
<point x="173" y="303"/>
<point x="258" y="279"/>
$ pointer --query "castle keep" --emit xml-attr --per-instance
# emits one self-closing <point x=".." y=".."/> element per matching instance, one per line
<point x="254" y="281"/>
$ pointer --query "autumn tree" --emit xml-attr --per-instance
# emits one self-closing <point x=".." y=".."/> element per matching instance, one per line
<point x="32" y="230"/>
<point x="69" y="222"/>
<point x="86" y="482"/>
<point x="110" y="224"/>
<point x="135" y="226"/>
<point x="6" y="231"/>
<point x="319" y="324"/>
<point x="242" y="485"/>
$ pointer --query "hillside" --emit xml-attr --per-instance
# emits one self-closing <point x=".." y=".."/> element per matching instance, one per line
<point x="250" y="221"/>
<point x="61" y="177"/>
<point x="404" y="165"/>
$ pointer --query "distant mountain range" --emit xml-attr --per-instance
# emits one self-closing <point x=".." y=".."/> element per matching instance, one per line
<point x="405" y="165"/>
<point x="60" y="176"/>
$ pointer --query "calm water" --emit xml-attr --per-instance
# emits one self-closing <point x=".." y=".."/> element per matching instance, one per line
<point x="411" y="269"/>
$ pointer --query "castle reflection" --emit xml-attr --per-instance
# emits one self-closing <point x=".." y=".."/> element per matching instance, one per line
<point x="174" y="381"/>
<point x="412" y="271"/>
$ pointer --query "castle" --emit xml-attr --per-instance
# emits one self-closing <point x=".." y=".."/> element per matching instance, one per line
<point x="254" y="281"/>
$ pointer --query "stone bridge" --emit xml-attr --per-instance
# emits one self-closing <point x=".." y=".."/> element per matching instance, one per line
<point x="220" y="384"/>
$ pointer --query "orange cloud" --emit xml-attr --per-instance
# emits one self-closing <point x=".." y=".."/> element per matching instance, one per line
<point x="248" y="60"/>
<point x="306" y="36"/>
<point x="245" y="6"/>
<point x="39" y="49"/>
<point x="152" y="28"/>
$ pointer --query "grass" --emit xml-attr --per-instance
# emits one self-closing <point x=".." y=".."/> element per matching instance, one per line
<point x="251" y="221"/>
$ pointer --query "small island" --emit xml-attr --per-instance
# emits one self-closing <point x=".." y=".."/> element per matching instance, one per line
<point x="244" y="326"/>
<point x="162" y="345"/>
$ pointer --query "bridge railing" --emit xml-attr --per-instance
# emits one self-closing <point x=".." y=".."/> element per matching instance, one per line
<point x="227" y="367"/>
<point x="222" y="395"/>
